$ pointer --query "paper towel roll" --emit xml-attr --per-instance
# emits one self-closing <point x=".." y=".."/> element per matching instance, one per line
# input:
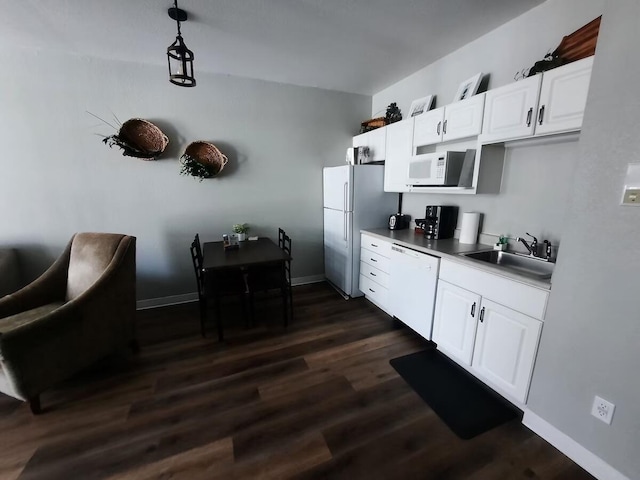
<point x="469" y="227"/>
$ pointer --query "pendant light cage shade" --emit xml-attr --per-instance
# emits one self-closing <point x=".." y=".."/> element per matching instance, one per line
<point x="180" y="64"/>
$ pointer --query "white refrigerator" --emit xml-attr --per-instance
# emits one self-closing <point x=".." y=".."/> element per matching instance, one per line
<point x="354" y="199"/>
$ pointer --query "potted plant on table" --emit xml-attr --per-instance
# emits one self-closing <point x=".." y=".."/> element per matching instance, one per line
<point x="241" y="230"/>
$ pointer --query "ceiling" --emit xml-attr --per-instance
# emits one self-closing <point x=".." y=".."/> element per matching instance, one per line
<point x="359" y="46"/>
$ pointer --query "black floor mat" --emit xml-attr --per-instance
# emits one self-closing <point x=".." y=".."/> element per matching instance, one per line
<point x="464" y="403"/>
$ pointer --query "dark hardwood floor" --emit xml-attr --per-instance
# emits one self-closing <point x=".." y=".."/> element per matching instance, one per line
<point x="316" y="401"/>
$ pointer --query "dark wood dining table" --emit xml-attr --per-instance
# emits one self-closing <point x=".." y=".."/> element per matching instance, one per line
<point x="250" y="253"/>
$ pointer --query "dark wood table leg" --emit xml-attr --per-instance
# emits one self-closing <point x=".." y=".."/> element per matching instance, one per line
<point x="283" y="290"/>
<point x="34" y="404"/>
<point x="219" y="318"/>
<point x="203" y="316"/>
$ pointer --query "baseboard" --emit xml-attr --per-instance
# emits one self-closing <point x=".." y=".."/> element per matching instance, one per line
<point x="192" y="297"/>
<point x="166" y="301"/>
<point x="572" y="449"/>
<point x="306" y="280"/>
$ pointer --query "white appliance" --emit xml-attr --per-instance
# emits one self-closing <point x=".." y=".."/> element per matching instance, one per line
<point x="354" y="199"/>
<point x="437" y="169"/>
<point x="412" y="294"/>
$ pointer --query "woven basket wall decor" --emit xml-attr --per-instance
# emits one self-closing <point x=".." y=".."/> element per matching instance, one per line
<point x="202" y="159"/>
<point x="139" y="138"/>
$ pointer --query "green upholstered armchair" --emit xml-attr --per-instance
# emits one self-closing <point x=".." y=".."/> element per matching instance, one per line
<point x="80" y="310"/>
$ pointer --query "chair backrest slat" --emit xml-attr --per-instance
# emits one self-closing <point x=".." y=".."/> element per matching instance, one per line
<point x="196" y="258"/>
<point x="285" y="244"/>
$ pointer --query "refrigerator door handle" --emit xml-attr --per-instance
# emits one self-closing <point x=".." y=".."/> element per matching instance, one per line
<point x="346" y="191"/>
<point x="344" y="226"/>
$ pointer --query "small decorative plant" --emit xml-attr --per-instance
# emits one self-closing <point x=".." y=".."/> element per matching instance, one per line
<point x="241" y="228"/>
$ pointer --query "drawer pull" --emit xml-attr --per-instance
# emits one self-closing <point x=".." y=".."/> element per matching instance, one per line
<point x="372" y="274"/>
<point x="374" y="245"/>
<point x="372" y="291"/>
<point x="374" y="260"/>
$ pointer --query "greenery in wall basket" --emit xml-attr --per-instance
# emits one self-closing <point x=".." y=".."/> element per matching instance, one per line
<point x="138" y="138"/>
<point x="191" y="166"/>
<point x="202" y="160"/>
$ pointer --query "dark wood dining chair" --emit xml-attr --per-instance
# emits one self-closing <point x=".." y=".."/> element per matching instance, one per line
<point x="264" y="278"/>
<point x="215" y="285"/>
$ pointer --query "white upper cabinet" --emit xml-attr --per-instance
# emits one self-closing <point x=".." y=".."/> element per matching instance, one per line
<point x="396" y="165"/>
<point x="375" y="140"/>
<point x="463" y="119"/>
<point x="427" y="128"/>
<point x="458" y="120"/>
<point x="511" y="111"/>
<point x="548" y="103"/>
<point x="563" y="97"/>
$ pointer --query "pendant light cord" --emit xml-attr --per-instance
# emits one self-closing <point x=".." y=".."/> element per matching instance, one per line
<point x="175" y="2"/>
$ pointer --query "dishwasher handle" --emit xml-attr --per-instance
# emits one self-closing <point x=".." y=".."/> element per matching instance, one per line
<point x="420" y="260"/>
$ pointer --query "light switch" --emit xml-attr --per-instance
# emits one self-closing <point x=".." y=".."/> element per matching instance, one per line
<point x="631" y="196"/>
<point x="631" y="192"/>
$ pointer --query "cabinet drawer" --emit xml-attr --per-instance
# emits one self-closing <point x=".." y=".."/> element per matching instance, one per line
<point x="523" y="298"/>
<point x="374" y="244"/>
<point x="374" y="274"/>
<point x="376" y="292"/>
<point x="375" y="260"/>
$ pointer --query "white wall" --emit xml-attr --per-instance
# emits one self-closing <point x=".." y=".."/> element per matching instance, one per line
<point x="57" y="178"/>
<point x="591" y="337"/>
<point x="535" y="180"/>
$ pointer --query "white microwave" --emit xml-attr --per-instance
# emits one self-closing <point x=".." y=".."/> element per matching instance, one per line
<point x="435" y="169"/>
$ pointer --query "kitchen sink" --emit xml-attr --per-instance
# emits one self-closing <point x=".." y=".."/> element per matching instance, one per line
<point x="533" y="267"/>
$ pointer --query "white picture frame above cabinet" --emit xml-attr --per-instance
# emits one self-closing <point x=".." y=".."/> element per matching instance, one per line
<point x="468" y="88"/>
<point x="421" y="105"/>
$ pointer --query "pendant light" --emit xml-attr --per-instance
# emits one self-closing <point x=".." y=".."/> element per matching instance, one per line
<point x="179" y="56"/>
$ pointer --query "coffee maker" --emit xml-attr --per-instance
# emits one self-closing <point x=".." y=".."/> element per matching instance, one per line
<point x="440" y="221"/>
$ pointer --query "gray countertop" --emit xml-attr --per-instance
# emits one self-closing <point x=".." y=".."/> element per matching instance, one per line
<point x="451" y="249"/>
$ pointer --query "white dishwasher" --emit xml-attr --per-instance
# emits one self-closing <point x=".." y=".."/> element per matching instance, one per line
<point x="412" y="293"/>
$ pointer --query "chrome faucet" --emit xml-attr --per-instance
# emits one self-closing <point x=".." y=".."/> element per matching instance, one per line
<point x="533" y="248"/>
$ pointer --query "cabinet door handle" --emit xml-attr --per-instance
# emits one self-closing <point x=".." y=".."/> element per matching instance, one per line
<point x="439" y="125"/>
<point x="473" y="309"/>
<point x="529" y="115"/>
<point x="482" y="315"/>
<point x="541" y="115"/>
<point x="444" y="127"/>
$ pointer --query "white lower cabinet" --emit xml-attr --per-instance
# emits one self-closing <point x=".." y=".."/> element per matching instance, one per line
<point x="374" y="271"/>
<point x="495" y="343"/>
<point x="505" y="348"/>
<point x="454" y="328"/>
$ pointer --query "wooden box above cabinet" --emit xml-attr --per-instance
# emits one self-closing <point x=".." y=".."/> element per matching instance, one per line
<point x="548" y="103"/>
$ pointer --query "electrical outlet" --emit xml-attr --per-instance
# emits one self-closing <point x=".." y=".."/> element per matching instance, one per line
<point x="602" y="409"/>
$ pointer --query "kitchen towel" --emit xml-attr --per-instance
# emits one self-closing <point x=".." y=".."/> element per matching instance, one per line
<point x="469" y="227"/>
